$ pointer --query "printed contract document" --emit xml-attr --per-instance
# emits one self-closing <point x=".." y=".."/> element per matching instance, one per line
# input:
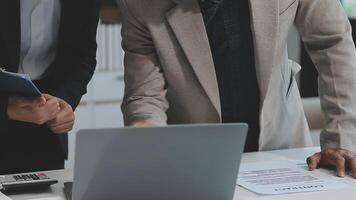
<point x="271" y="178"/>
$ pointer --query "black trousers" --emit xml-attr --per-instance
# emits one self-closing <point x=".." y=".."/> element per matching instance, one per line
<point x="27" y="147"/>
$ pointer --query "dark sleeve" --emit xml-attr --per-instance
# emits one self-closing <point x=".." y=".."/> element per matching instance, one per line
<point x="79" y="52"/>
<point x="3" y="112"/>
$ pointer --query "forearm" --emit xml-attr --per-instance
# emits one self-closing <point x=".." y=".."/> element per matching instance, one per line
<point x="145" y="93"/>
<point x="337" y="88"/>
<point x="337" y="85"/>
<point x="144" y="110"/>
<point x="145" y="90"/>
<point x="145" y="86"/>
<point x="326" y="34"/>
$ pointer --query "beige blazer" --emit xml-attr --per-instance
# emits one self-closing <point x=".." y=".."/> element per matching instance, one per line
<point x="170" y="76"/>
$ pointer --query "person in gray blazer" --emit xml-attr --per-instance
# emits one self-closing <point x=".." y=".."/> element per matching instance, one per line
<point x="219" y="61"/>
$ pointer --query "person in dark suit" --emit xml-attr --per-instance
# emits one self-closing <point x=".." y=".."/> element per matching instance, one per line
<point x="55" y="43"/>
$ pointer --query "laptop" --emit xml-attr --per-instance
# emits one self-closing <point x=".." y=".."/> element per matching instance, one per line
<point x="193" y="162"/>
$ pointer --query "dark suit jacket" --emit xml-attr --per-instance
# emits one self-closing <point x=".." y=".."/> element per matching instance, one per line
<point x="29" y="147"/>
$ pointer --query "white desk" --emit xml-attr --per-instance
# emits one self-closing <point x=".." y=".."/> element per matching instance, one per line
<point x="294" y="154"/>
<point x="56" y="192"/>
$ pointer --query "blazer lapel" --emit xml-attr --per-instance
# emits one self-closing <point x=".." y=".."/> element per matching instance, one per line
<point x="10" y="31"/>
<point x="187" y="23"/>
<point x="264" y="19"/>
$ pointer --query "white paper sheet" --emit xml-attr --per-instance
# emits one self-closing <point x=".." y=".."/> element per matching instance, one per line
<point x="271" y="178"/>
<point x="4" y="197"/>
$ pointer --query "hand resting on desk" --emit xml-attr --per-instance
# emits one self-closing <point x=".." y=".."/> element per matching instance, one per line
<point x="340" y="159"/>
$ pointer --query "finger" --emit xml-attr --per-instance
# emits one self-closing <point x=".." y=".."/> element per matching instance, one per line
<point x="65" y="105"/>
<point x="53" y="106"/>
<point x="41" y="101"/>
<point x="48" y="96"/>
<point x="53" y="112"/>
<point x="313" y="161"/>
<point x="60" y="126"/>
<point x="62" y="117"/>
<point x="60" y="120"/>
<point x="52" y="122"/>
<point x="52" y="103"/>
<point x="52" y="109"/>
<point x="340" y="165"/>
<point x="352" y="164"/>
<point x="66" y="114"/>
<point x="64" y="128"/>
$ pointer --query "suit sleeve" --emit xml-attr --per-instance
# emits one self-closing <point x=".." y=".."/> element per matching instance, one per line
<point x="3" y="112"/>
<point x="145" y="90"/>
<point x="3" y="97"/>
<point x="71" y="84"/>
<point x="326" y="33"/>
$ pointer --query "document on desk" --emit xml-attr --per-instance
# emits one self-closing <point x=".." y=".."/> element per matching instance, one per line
<point x="4" y="197"/>
<point x="272" y="178"/>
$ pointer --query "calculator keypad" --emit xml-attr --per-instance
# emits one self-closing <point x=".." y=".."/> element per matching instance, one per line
<point x="29" y="177"/>
<point x="24" y="177"/>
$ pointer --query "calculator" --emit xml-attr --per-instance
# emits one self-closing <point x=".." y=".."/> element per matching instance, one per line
<point x="22" y="182"/>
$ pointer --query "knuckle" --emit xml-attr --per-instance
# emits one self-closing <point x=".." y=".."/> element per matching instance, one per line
<point x="309" y="160"/>
<point x="55" y="130"/>
<point x="353" y="162"/>
<point x="55" y="120"/>
<point x="314" y="158"/>
<point x="341" y="160"/>
<point x="39" y="119"/>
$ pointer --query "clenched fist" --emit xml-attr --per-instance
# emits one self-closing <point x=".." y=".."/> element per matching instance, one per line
<point x="64" y="120"/>
<point x="37" y="111"/>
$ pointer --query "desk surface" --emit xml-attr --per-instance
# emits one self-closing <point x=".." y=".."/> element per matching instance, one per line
<point x="56" y="192"/>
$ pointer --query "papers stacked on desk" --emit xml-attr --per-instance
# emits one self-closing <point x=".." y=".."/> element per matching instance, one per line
<point x="272" y="178"/>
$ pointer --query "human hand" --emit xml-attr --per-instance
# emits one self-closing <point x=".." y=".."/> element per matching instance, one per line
<point x="37" y="111"/>
<point x="142" y="124"/>
<point x="340" y="159"/>
<point x="64" y="121"/>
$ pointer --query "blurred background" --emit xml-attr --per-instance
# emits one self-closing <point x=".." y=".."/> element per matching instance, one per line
<point x="100" y="107"/>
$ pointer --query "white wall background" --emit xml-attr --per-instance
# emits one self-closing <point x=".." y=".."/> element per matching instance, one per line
<point x="100" y="107"/>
